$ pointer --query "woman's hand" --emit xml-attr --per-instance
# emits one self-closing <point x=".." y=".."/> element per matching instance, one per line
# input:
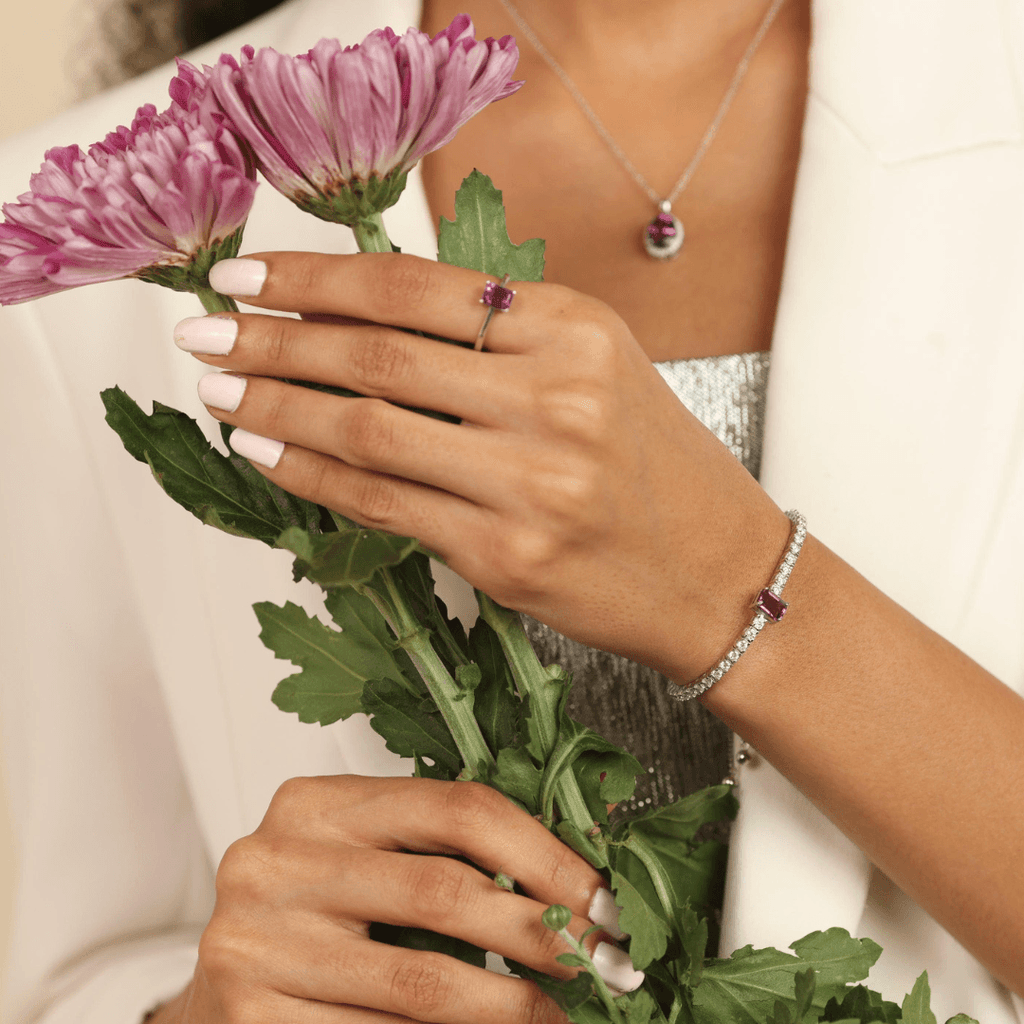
<point x="289" y="939"/>
<point x="577" y="488"/>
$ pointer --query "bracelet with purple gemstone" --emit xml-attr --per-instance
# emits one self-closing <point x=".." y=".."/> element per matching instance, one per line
<point x="770" y="608"/>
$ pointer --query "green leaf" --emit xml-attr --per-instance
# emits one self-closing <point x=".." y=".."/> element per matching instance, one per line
<point x="345" y="558"/>
<point x="335" y="665"/>
<point x="421" y="938"/>
<point x="572" y="960"/>
<point x="806" y="982"/>
<point x="780" y="1014"/>
<point x="642" y="919"/>
<point x="961" y="1018"/>
<point x="640" y="1007"/>
<point x="224" y="491"/>
<point x="863" y="1005"/>
<point x="659" y="855"/>
<point x="495" y="704"/>
<point x="917" y="1008"/>
<point x="694" y="932"/>
<point x="411" y="725"/>
<point x="517" y="776"/>
<point x="743" y="989"/>
<point x="478" y="238"/>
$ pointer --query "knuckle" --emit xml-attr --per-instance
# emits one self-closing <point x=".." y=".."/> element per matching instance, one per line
<point x="369" y="433"/>
<point x="274" y="340"/>
<point x="403" y="282"/>
<point x="561" y="869"/>
<point x="473" y="808"/>
<point x="527" y="558"/>
<point x="376" y="502"/>
<point x="441" y="887"/>
<point x="579" y="412"/>
<point x="421" y="986"/>
<point x="239" y="868"/>
<point x="380" y="361"/>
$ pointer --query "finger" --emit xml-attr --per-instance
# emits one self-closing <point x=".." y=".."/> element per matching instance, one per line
<point x="451" y="897"/>
<point x="374" y="500"/>
<point x="431" y="816"/>
<point x="424" y="986"/>
<point x="393" y="289"/>
<point x="367" y="433"/>
<point x="372" y="360"/>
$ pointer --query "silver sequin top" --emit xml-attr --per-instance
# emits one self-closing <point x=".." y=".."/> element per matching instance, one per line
<point x="682" y="746"/>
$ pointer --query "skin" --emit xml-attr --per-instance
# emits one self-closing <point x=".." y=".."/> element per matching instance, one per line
<point x="579" y="490"/>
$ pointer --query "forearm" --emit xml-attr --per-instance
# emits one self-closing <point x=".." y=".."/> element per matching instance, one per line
<point x="909" y="746"/>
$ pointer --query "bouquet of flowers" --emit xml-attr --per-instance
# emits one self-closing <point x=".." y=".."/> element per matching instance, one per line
<point x="337" y="131"/>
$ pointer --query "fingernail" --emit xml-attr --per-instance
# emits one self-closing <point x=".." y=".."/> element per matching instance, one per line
<point x="604" y="912"/>
<point x="221" y="390"/>
<point x="263" y="450"/>
<point x="614" y="965"/>
<point x="207" y="335"/>
<point x="238" y="277"/>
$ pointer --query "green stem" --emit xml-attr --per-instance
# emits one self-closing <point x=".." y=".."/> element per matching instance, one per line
<point x="456" y="708"/>
<point x="370" y="234"/>
<point x="662" y="886"/>
<point x="600" y="986"/>
<point x="545" y="693"/>
<point x="214" y="302"/>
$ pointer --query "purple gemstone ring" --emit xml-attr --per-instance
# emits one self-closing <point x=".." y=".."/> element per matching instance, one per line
<point x="495" y="297"/>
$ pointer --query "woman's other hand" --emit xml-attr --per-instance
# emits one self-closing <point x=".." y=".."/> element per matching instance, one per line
<point x="289" y="939"/>
<point x="576" y="488"/>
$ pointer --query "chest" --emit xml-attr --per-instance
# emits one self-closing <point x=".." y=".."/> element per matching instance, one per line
<point x="563" y="183"/>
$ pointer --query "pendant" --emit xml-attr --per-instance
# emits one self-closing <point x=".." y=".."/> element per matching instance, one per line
<point x="663" y="237"/>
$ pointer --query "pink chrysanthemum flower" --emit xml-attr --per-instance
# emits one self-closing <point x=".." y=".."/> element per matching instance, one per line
<point x="161" y="200"/>
<point x="337" y="129"/>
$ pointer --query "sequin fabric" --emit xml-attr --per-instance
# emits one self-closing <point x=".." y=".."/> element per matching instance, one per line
<point x="682" y="746"/>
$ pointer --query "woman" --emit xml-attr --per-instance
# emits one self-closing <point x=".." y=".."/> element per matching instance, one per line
<point x="893" y="424"/>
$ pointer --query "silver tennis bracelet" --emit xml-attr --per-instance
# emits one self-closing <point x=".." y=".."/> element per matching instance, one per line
<point x="770" y="608"/>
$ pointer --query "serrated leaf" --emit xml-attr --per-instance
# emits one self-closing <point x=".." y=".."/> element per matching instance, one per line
<point x="478" y="238"/>
<point x="517" y="776"/>
<point x="642" y="919"/>
<point x="743" y="989"/>
<point x="917" y="1006"/>
<point x="694" y="931"/>
<point x="640" y="1007"/>
<point x="335" y="665"/>
<point x="223" y="491"/>
<point x="344" y="558"/>
<point x="407" y="727"/>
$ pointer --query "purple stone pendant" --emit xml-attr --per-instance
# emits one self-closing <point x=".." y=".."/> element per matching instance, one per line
<point x="663" y="237"/>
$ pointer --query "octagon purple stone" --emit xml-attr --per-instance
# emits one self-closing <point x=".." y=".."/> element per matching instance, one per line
<point x="497" y="297"/>
<point x="771" y="604"/>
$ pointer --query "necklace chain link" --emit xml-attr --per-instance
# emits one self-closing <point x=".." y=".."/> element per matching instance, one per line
<point x="709" y="135"/>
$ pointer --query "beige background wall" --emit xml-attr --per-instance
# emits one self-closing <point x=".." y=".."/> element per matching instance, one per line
<point x="36" y="41"/>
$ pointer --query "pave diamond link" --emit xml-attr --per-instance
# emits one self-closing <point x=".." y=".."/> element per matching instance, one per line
<point x="774" y="589"/>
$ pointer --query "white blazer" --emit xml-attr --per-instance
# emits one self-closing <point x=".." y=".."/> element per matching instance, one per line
<point x="138" y="735"/>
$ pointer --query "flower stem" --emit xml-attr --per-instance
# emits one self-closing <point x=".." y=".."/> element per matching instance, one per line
<point x="455" y="706"/>
<point x="370" y="234"/>
<point x="545" y="693"/>
<point x="214" y="302"/>
<point x="600" y="985"/>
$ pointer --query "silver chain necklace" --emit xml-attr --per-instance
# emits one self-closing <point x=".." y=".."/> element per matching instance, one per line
<point x="663" y="236"/>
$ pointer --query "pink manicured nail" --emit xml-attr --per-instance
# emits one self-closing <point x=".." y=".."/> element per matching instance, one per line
<point x="263" y="450"/>
<point x="614" y="965"/>
<point x="221" y="390"/>
<point x="604" y="912"/>
<point x="238" y="277"/>
<point x="206" y="335"/>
